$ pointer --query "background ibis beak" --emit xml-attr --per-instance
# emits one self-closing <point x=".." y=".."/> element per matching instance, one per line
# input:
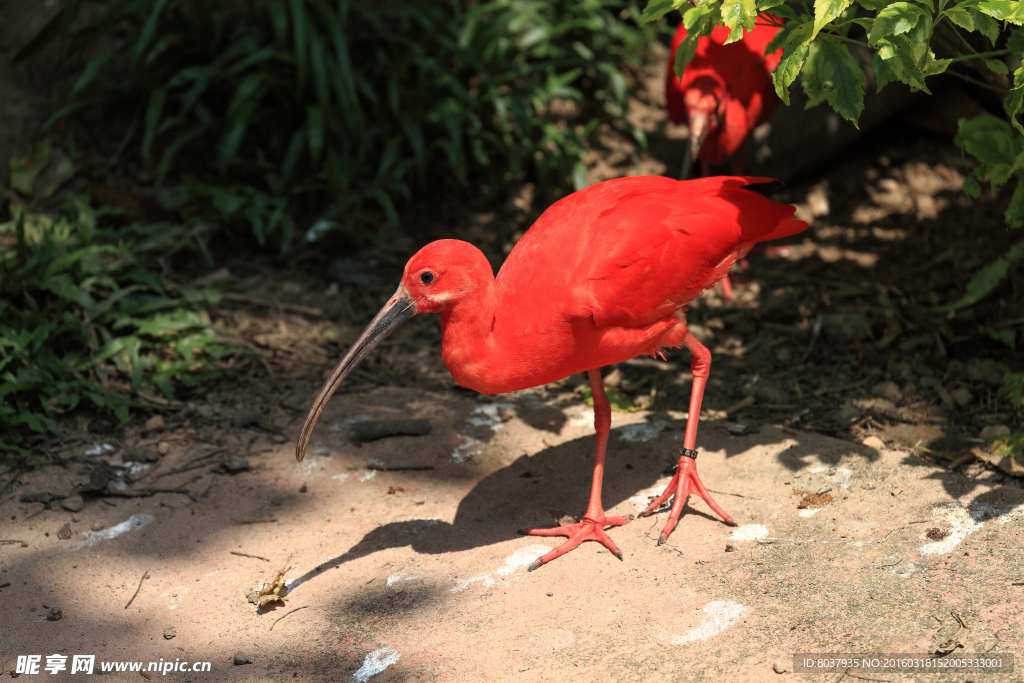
<point x="698" y="123"/>
<point x="396" y="311"/>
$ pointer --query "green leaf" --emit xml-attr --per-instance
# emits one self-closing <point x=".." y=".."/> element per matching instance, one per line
<point x="997" y="66"/>
<point x="153" y="111"/>
<point x="656" y="9"/>
<point x="793" y="57"/>
<point x="148" y="29"/>
<point x="810" y="78"/>
<point x="1003" y="10"/>
<point x="826" y="11"/>
<point x="988" y="139"/>
<point x="1015" y="100"/>
<point x="897" y="18"/>
<point x="982" y="284"/>
<point x="1014" y="214"/>
<point x="699" y="21"/>
<point x="1007" y="337"/>
<point x="883" y="72"/>
<point x="1013" y="388"/>
<point x="971" y="187"/>
<point x="92" y="68"/>
<point x="961" y="17"/>
<point x="842" y="79"/>
<point x="1015" y="43"/>
<point x="986" y="25"/>
<point x="619" y="403"/>
<point x="315" y="131"/>
<point x="737" y="13"/>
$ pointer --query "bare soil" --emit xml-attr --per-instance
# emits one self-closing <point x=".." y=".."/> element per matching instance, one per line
<point x="838" y="432"/>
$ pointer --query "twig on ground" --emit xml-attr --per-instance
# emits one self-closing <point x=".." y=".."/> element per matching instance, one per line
<point x="738" y="495"/>
<point x="255" y="557"/>
<point x="286" y="614"/>
<point x="268" y="520"/>
<point x="145" y="575"/>
<point x="193" y="464"/>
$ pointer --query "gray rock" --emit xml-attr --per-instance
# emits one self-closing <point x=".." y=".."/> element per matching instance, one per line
<point x="242" y="658"/>
<point x="962" y="396"/>
<point x="986" y="370"/>
<point x="888" y="390"/>
<point x="73" y="504"/>
<point x="851" y="325"/>
<point x="993" y="430"/>
<point x="233" y="464"/>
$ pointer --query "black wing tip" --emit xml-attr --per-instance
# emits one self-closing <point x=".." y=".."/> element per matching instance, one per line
<point x="765" y="186"/>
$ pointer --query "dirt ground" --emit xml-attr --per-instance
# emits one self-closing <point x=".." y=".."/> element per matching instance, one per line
<point x="838" y="432"/>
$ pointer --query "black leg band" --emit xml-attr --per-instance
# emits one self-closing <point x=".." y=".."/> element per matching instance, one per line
<point x="687" y="453"/>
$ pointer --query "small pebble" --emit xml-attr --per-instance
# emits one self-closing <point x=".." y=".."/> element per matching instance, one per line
<point x="55" y="614"/>
<point x="303" y="489"/>
<point x="993" y="430"/>
<point x="550" y="594"/>
<point x="780" y="666"/>
<point x="730" y="548"/>
<point x="65" y="532"/>
<point x="873" y="442"/>
<point x="155" y="422"/>
<point x="962" y="396"/>
<point x="98" y="526"/>
<point x="888" y="390"/>
<point x="163" y="448"/>
<point x="73" y="503"/>
<point x="242" y="658"/>
<point x="169" y="633"/>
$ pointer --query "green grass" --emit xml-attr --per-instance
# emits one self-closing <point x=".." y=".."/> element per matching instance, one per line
<point x="85" y="317"/>
<point x="282" y="114"/>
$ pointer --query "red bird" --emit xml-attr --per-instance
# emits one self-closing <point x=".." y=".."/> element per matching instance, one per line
<point x="725" y="92"/>
<point x="604" y="275"/>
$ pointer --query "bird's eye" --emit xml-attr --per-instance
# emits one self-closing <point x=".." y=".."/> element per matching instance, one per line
<point x="427" y="278"/>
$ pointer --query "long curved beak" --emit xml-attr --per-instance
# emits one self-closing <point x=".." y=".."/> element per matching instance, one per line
<point x="396" y="311"/>
<point x="698" y="123"/>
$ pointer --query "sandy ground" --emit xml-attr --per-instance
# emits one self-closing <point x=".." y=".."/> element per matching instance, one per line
<point x="418" y="574"/>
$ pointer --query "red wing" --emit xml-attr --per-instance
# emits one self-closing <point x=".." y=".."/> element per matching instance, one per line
<point x="654" y="252"/>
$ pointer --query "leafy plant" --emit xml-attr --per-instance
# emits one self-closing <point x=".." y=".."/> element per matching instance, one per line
<point x="82" y="320"/>
<point x="832" y="45"/>
<point x="276" y="111"/>
<point x="1013" y="388"/>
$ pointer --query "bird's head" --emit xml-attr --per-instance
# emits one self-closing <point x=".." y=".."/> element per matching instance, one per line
<point x="435" y="278"/>
<point x="443" y="273"/>
<point x="705" y="109"/>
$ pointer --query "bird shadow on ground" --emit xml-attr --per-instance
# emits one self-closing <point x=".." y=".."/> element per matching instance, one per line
<point x="542" y="489"/>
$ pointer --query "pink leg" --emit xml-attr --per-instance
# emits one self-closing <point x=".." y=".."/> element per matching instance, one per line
<point x="685" y="481"/>
<point x="591" y="528"/>
<point x="726" y="288"/>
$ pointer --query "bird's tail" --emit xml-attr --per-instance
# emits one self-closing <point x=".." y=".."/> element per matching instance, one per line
<point x="766" y="219"/>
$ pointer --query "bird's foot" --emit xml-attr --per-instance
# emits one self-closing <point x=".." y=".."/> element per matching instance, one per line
<point x="684" y="482"/>
<point x="588" y="529"/>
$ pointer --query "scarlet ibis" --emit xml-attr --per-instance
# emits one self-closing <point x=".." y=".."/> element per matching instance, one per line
<point x="604" y="275"/>
<point x="725" y="92"/>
